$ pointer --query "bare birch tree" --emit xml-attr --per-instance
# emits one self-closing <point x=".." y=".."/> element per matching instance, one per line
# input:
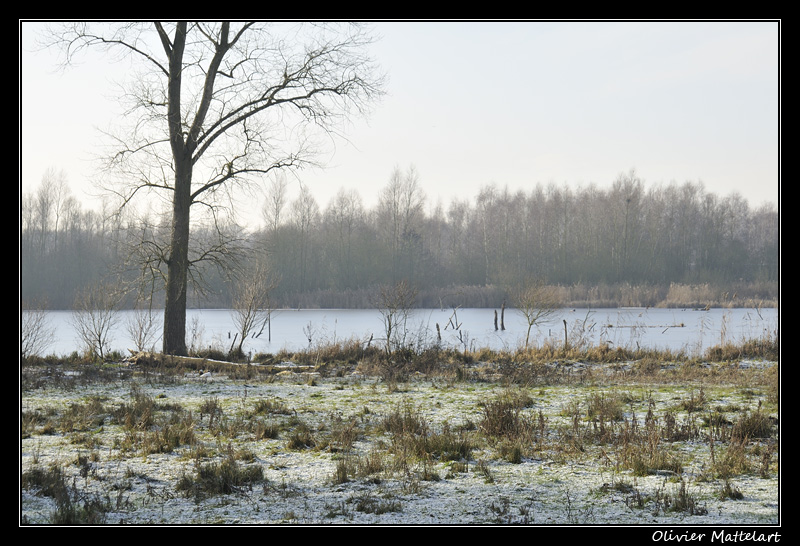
<point x="400" y="210"/>
<point x="275" y="202"/>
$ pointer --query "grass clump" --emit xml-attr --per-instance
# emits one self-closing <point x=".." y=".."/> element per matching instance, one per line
<point x="656" y="462"/>
<point x="223" y="477"/>
<point x="605" y="407"/>
<point x="730" y="491"/>
<point x="302" y="437"/>
<point x="369" y="466"/>
<point x="270" y="406"/>
<point x="449" y="445"/>
<point x="72" y="507"/>
<point x="151" y="427"/>
<point x="368" y="503"/>
<point x="344" y="432"/>
<point x="695" y="402"/>
<point x="83" y="417"/>
<point x="753" y="425"/>
<point x="263" y="430"/>
<point x="680" y="500"/>
<point x="504" y="418"/>
<point x="405" y="420"/>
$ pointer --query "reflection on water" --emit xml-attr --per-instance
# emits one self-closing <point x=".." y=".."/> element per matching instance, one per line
<point x="686" y="330"/>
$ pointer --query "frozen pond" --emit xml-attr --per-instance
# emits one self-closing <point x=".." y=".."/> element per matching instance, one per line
<point x="686" y="330"/>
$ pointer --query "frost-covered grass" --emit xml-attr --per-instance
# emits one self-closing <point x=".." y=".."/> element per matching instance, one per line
<point x="468" y="447"/>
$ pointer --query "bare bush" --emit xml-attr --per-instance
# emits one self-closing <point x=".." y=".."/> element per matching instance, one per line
<point x="535" y="301"/>
<point x="35" y="331"/>
<point x="95" y="314"/>
<point x="142" y="326"/>
<point x="395" y="303"/>
<point x="252" y="304"/>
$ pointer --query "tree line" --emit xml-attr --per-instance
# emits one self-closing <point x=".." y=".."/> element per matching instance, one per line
<point x="337" y="254"/>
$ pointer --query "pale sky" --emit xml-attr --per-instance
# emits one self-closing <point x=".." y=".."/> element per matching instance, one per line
<point x="509" y="103"/>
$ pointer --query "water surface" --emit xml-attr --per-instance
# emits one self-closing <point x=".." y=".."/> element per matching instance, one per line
<point x="686" y="330"/>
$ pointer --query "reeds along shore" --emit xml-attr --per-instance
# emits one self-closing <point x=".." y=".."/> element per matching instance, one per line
<point x="674" y="295"/>
<point x="547" y="363"/>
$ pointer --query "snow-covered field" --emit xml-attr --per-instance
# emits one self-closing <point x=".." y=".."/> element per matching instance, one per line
<point x="547" y="487"/>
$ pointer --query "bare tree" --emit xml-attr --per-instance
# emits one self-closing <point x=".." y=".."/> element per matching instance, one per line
<point x="344" y="215"/>
<point x="47" y="207"/>
<point x="484" y="209"/>
<point x="400" y="211"/>
<point x="202" y="114"/>
<point x="252" y="304"/>
<point x="275" y="203"/>
<point x="304" y="216"/>
<point x="536" y="302"/>
<point x="53" y="197"/>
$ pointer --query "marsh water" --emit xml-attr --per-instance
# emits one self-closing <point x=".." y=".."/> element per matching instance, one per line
<point x="687" y="330"/>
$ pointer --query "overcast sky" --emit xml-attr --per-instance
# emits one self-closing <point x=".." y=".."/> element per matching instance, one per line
<point x="509" y="103"/>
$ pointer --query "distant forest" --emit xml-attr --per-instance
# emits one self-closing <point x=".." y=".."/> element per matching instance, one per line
<point x="628" y="244"/>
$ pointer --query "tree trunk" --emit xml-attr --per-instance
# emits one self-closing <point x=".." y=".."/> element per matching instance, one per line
<point x="177" y="268"/>
<point x="174" y="342"/>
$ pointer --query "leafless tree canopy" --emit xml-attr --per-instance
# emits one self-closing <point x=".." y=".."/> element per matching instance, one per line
<point x="249" y="95"/>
